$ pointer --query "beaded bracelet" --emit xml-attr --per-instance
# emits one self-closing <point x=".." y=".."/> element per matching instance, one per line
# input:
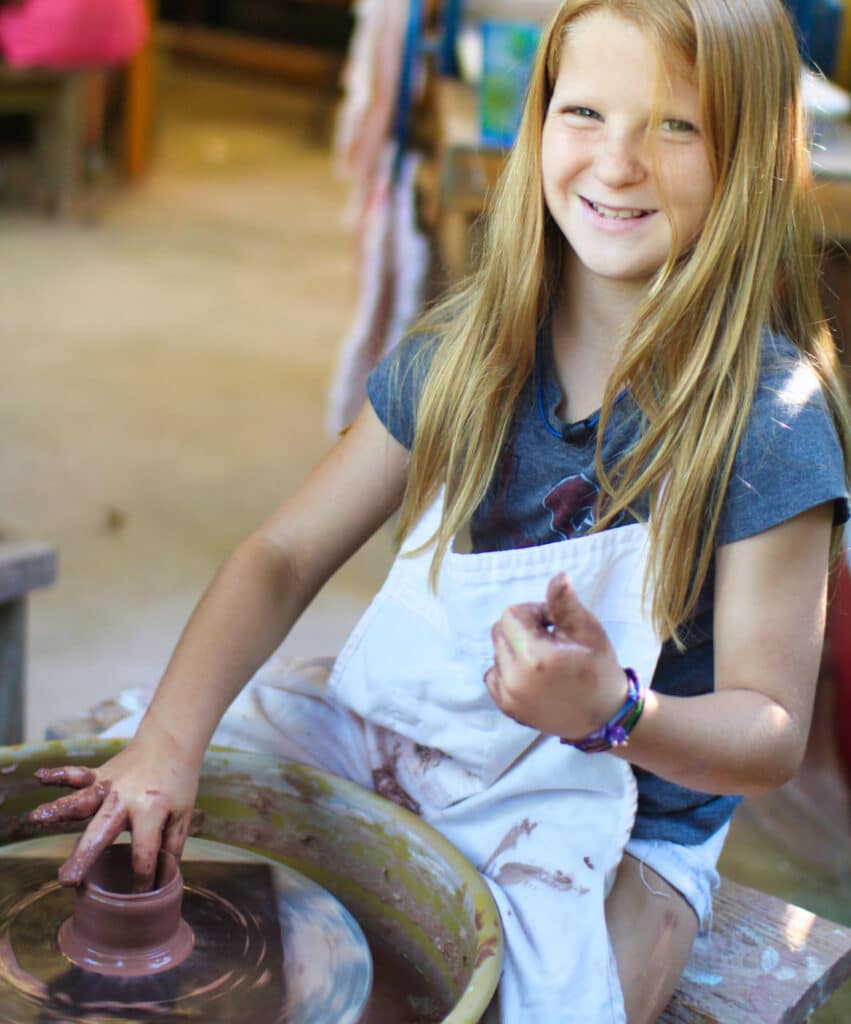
<point x="615" y="733"/>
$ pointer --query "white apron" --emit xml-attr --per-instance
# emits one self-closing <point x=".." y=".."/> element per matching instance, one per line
<point x="545" y="824"/>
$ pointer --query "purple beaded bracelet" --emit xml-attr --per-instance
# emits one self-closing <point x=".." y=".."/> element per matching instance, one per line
<point x="615" y="733"/>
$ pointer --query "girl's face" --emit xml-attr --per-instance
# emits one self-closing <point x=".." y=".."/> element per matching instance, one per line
<point x="614" y="185"/>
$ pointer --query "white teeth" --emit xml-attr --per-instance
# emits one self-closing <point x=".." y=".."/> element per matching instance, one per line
<point x="608" y="212"/>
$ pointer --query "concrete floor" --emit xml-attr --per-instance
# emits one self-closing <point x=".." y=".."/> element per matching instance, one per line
<point x="165" y="369"/>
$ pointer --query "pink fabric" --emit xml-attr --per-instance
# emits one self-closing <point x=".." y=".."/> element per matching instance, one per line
<point x="67" y="34"/>
<point x="371" y="82"/>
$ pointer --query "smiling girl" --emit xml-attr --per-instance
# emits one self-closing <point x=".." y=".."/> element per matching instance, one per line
<point x="619" y="452"/>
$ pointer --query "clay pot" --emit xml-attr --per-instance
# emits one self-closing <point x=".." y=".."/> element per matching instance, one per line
<point x="119" y="932"/>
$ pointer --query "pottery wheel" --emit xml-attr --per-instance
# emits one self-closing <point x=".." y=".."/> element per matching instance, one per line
<point x="270" y="946"/>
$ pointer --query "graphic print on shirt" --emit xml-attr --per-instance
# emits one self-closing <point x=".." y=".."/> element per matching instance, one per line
<point x="508" y="518"/>
<point x="494" y="518"/>
<point x="571" y="505"/>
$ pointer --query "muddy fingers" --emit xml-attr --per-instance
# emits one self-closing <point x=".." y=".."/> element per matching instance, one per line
<point x="70" y="775"/>
<point x="102" y="830"/>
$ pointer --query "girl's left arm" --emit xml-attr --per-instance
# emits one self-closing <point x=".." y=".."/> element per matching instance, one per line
<point x="555" y="669"/>
<point x="750" y="734"/>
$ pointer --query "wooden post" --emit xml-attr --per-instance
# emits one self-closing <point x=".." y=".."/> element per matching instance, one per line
<point x="22" y="568"/>
<point x="843" y="66"/>
<point x="66" y="140"/>
<point x="13" y="618"/>
<point x="139" y="103"/>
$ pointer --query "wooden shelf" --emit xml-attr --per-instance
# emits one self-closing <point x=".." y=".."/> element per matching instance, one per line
<point x="290" y="61"/>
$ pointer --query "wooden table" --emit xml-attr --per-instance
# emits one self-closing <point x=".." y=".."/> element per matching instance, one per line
<point x="831" y="163"/>
<point x="23" y="567"/>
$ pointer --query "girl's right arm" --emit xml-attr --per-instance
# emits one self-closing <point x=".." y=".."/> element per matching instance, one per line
<point x="255" y="599"/>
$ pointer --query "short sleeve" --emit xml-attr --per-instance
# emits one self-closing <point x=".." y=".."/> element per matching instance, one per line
<point x="395" y="385"/>
<point x="790" y="458"/>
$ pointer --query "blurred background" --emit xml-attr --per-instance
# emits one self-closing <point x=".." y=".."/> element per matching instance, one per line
<point x="215" y="216"/>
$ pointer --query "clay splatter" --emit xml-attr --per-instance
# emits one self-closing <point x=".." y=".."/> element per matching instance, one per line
<point x="587" y="862"/>
<point x="514" y="873"/>
<point x="485" y="951"/>
<point x="387" y="785"/>
<point x="525" y="828"/>
<point x="429" y="757"/>
<point x="261" y="802"/>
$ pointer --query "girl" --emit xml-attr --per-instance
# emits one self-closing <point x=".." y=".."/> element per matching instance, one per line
<point x="619" y="454"/>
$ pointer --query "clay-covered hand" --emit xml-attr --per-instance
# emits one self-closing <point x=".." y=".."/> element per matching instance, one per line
<point x="554" y="667"/>
<point x="148" y="788"/>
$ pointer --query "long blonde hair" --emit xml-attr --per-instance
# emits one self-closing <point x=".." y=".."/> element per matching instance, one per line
<point x="753" y="264"/>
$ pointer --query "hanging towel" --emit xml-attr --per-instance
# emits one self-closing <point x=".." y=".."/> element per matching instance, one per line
<point x="393" y="255"/>
<point x="394" y="262"/>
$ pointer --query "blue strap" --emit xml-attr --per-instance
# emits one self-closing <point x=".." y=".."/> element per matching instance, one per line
<point x="452" y="14"/>
<point x="406" y="83"/>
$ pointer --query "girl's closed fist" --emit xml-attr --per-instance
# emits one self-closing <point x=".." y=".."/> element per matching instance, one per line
<point x="554" y="667"/>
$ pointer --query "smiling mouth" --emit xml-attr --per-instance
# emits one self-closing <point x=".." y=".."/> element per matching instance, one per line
<point x="617" y="212"/>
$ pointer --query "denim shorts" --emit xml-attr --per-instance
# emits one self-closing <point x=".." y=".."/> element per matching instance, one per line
<point x="692" y="870"/>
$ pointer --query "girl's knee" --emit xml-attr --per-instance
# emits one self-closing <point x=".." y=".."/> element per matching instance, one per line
<point x="652" y="929"/>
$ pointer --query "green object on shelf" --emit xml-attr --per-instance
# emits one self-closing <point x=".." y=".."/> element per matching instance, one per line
<point x="508" y="53"/>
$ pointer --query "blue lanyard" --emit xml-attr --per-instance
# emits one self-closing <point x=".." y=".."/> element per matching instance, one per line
<point x="585" y="426"/>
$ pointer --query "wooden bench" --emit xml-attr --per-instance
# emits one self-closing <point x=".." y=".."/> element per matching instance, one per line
<point x="766" y="962"/>
<point x="54" y="100"/>
<point x="23" y="566"/>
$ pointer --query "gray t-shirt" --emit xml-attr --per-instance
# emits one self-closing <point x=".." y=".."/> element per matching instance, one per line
<point x="545" y="490"/>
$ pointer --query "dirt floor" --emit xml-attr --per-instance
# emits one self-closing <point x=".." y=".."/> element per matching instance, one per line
<point x="166" y="359"/>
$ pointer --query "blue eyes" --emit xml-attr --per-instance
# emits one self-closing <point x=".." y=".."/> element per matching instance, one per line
<point x="672" y="125"/>
<point x="584" y="112"/>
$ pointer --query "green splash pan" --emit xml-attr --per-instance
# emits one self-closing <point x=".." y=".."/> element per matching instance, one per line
<point x="400" y="878"/>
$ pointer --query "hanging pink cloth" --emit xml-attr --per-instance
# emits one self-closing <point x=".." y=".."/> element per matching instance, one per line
<point x="394" y="262"/>
<point x="371" y="82"/>
<point x="62" y="35"/>
<point x="393" y="254"/>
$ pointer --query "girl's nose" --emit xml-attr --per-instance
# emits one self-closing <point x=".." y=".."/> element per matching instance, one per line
<point x="620" y="161"/>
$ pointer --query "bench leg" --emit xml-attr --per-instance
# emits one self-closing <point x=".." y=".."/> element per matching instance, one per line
<point x="13" y="621"/>
<point x="59" y="143"/>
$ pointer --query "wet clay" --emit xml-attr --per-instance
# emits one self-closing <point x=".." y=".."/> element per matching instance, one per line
<point x="400" y="992"/>
<point x="298" y="817"/>
<point x="116" y="931"/>
<point x="268" y="948"/>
